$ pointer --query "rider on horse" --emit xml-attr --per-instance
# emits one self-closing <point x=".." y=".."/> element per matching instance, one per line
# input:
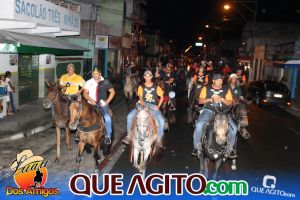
<point x="95" y="91"/>
<point x="148" y="94"/>
<point x="238" y="97"/>
<point x="72" y="82"/>
<point x="208" y="95"/>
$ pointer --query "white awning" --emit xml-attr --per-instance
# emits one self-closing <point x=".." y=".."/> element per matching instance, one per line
<point x="37" y="41"/>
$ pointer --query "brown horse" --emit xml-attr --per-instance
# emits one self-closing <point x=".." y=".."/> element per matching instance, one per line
<point x="90" y="127"/>
<point x="60" y="113"/>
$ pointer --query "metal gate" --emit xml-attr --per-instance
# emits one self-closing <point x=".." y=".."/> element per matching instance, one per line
<point x="28" y="72"/>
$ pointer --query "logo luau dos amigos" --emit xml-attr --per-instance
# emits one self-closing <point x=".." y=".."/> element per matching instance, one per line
<point x="30" y="175"/>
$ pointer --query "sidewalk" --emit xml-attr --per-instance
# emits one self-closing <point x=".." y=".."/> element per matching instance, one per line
<point x="31" y="119"/>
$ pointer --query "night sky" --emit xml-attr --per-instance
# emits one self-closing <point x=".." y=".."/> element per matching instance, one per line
<point x="183" y="21"/>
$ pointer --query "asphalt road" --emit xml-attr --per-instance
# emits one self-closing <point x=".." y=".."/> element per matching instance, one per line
<point x="272" y="149"/>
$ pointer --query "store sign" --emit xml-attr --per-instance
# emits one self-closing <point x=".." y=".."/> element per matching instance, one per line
<point x="41" y="12"/>
<point x="101" y="42"/>
<point x="115" y="43"/>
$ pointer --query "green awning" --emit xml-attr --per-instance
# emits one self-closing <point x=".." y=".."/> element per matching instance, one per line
<point x="34" y="44"/>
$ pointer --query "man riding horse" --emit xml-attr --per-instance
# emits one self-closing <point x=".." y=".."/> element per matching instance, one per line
<point x="238" y="97"/>
<point x="209" y="95"/>
<point x="95" y="91"/>
<point x="73" y="82"/>
<point x="148" y="94"/>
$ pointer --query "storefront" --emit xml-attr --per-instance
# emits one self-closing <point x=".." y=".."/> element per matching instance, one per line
<point x="29" y="47"/>
<point x="32" y="59"/>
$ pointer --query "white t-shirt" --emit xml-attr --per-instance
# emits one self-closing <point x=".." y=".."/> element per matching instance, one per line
<point x="91" y="86"/>
<point x="9" y="89"/>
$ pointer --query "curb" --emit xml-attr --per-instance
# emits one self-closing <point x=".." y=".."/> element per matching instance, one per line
<point x="33" y="131"/>
<point x="27" y="133"/>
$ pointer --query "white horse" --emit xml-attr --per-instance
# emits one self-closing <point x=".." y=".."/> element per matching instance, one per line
<point x="143" y="134"/>
<point x="190" y="83"/>
<point x="130" y="87"/>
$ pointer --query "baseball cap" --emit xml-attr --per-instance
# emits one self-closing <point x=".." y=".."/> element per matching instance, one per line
<point x="217" y="76"/>
<point x="232" y="76"/>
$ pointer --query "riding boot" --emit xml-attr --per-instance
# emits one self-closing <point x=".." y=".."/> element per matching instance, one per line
<point x="244" y="133"/>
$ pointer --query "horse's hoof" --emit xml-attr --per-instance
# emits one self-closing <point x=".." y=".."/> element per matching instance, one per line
<point x="233" y="167"/>
<point x="76" y="170"/>
<point x="56" y="160"/>
<point x="69" y="148"/>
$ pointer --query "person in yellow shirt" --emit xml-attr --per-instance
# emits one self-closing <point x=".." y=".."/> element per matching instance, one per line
<point x="210" y="94"/>
<point x="73" y="82"/>
<point x="148" y="94"/>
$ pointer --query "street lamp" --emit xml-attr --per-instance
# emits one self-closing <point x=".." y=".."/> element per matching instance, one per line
<point x="206" y="26"/>
<point x="227" y="7"/>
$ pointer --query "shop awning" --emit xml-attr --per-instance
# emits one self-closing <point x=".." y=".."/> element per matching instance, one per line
<point x="35" y="44"/>
<point x="288" y="64"/>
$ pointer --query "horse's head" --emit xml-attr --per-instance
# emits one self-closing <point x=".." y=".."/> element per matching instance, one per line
<point x="51" y="95"/>
<point x="75" y="112"/>
<point x="240" y="112"/>
<point x="221" y="128"/>
<point x="143" y="118"/>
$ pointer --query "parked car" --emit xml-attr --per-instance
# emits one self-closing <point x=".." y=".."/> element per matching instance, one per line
<point x="269" y="92"/>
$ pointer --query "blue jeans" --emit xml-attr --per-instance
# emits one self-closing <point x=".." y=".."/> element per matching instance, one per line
<point x="155" y="113"/>
<point x="107" y="118"/>
<point x="201" y="122"/>
<point x="11" y="102"/>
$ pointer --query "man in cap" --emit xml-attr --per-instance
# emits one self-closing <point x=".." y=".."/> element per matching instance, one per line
<point x="209" y="94"/>
<point x="238" y="97"/>
<point x="95" y="91"/>
<point x="148" y="93"/>
<point x="73" y="82"/>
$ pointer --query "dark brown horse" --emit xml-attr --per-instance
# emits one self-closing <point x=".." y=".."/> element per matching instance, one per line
<point x="90" y="127"/>
<point x="60" y="113"/>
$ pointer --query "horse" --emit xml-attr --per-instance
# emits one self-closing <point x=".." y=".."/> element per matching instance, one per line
<point x="143" y="134"/>
<point x="215" y="142"/>
<point x="239" y="116"/>
<point x="190" y="83"/>
<point x="168" y="106"/>
<point x="193" y="105"/>
<point x="90" y="127"/>
<point x="129" y="89"/>
<point x="60" y="113"/>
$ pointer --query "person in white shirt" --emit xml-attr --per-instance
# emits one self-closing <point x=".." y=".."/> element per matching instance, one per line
<point x="95" y="91"/>
<point x="11" y="90"/>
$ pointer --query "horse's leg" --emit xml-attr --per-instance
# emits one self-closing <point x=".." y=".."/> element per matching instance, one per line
<point x="201" y="160"/>
<point x="146" y="157"/>
<point x="135" y="156"/>
<point x="96" y="155"/>
<point x="81" y="146"/>
<point x="206" y="161"/>
<point x="69" y="147"/>
<point x="233" y="164"/>
<point x="216" y="168"/>
<point x="58" y="132"/>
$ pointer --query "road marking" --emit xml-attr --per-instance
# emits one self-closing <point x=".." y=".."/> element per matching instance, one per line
<point x="294" y="131"/>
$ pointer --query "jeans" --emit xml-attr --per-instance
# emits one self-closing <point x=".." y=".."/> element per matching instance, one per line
<point x="107" y="119"/>
<point x="11" y="102"/>
<point x="201" y="122"/>
<point x="155" y="113"/>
